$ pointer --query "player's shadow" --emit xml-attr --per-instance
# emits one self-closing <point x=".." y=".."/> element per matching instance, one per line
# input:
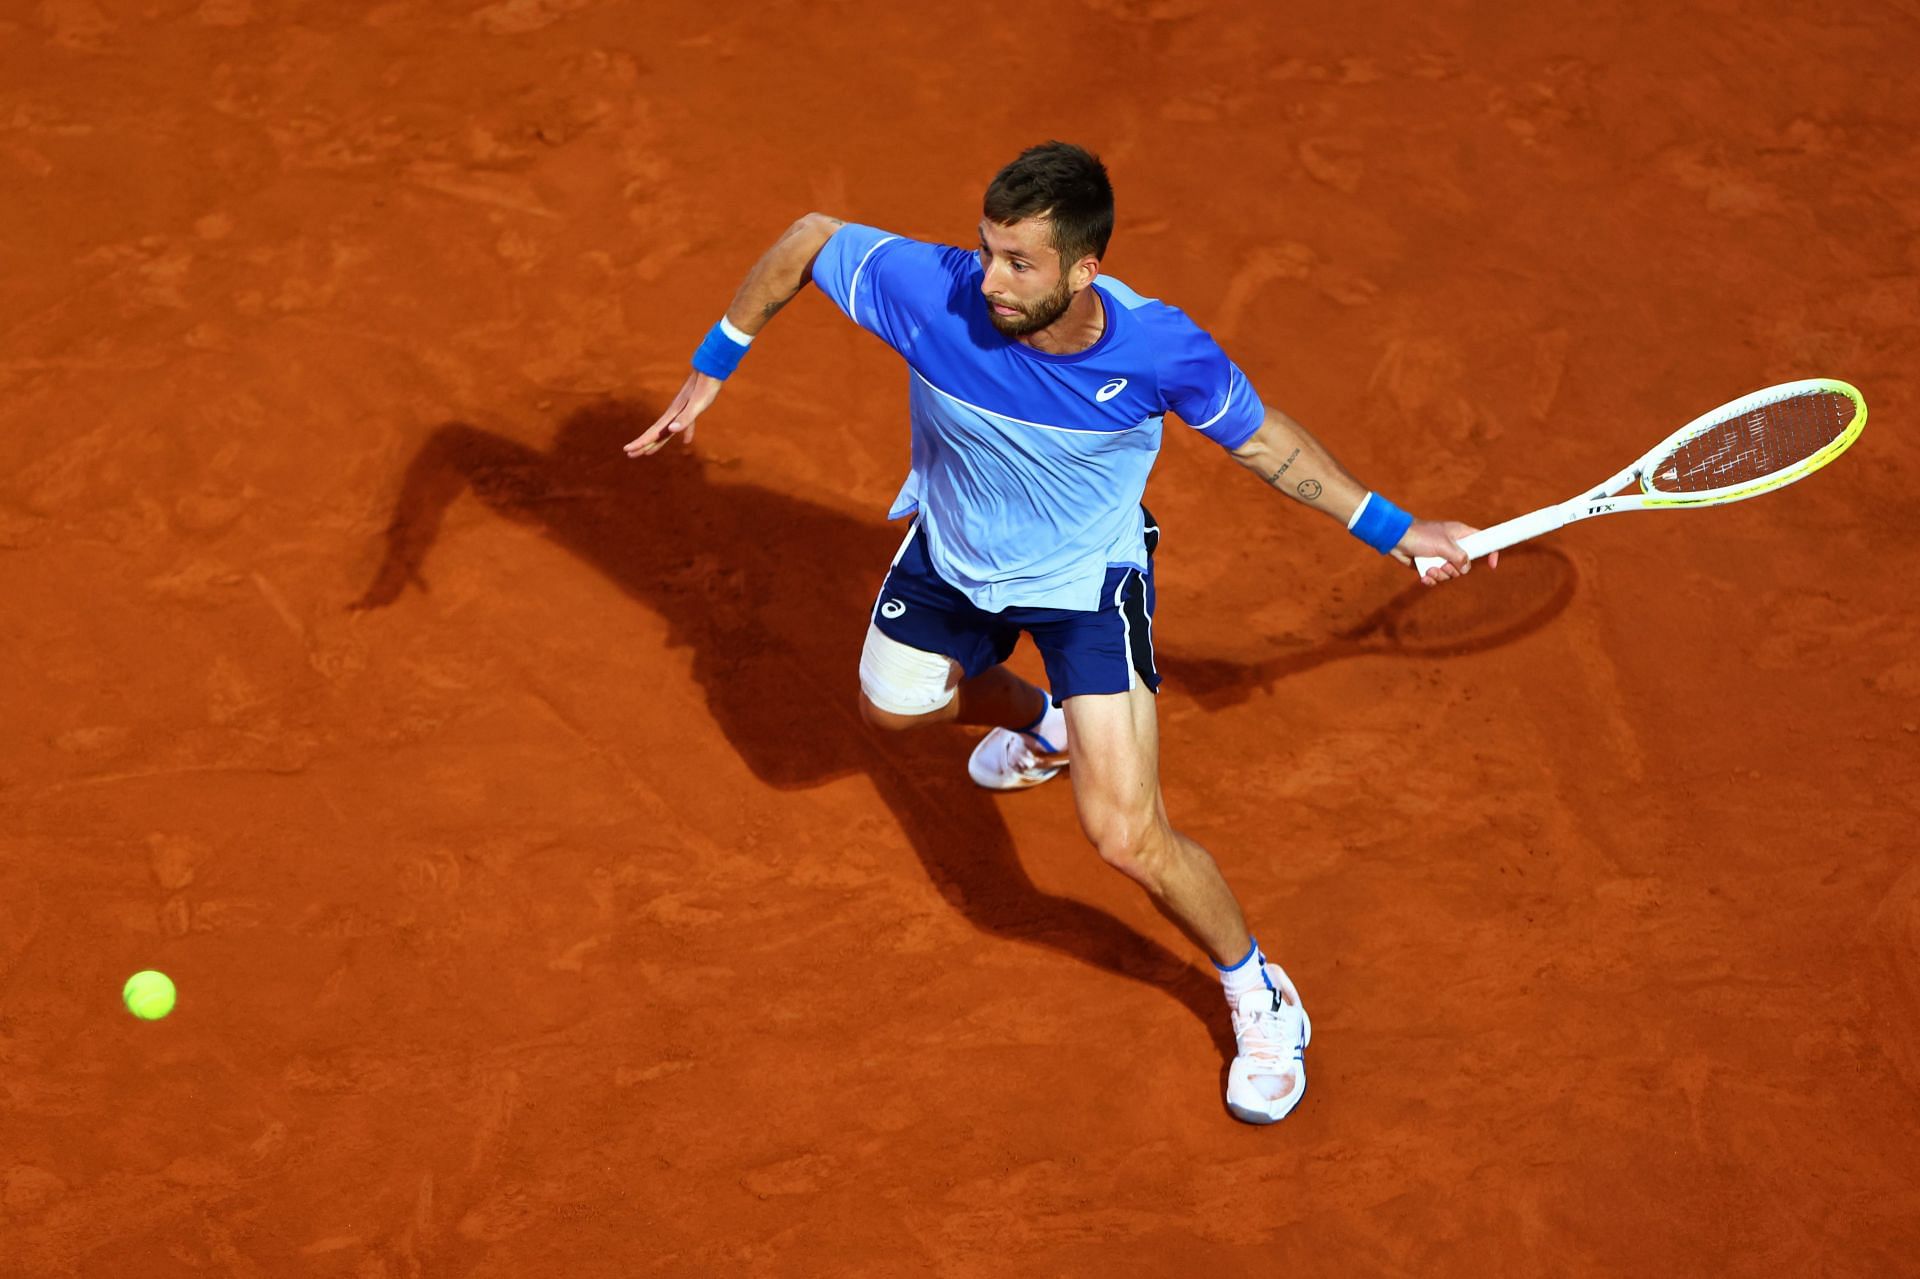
<point x="771" y="593"/>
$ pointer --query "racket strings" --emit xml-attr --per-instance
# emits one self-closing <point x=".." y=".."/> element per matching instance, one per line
<point x="1749" y="446"/>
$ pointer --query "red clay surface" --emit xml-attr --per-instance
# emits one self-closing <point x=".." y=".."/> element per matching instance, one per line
<point x="539" y="907"/>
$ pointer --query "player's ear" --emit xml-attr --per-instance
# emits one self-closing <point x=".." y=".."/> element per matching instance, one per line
<point x="1083" y="272"/>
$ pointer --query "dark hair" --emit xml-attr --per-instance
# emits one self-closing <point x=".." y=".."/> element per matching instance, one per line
<point x="1065" y="184"/>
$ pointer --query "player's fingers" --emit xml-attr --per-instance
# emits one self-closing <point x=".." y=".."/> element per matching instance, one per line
<point x="1452" y="534"/>
<point x="674" y="411"/>
<point x="1445" y="570"/>
<point x="644" y="445"/>
<point x="649" y="440"/>
<point x="659" y="435"/>
<point x="1452" y="561"/>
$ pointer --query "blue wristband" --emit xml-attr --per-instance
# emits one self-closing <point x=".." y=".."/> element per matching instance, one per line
<point x="719" y="354"/>
<point x="1379" y="523"/>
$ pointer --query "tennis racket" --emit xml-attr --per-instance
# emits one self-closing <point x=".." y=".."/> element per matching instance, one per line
<point x="1752" y="445"/>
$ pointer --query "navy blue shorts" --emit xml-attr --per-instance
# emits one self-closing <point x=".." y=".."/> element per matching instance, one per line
<point x="1098" y="651"/>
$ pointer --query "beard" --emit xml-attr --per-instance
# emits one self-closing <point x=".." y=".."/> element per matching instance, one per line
<point x="1033" y="316"/>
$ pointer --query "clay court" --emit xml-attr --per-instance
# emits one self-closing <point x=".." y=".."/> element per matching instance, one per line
<point x="539" y="905"/>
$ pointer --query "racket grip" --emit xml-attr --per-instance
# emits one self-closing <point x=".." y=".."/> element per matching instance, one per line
<point x="1474" y="544"/>
<point x="1500" y="536"/>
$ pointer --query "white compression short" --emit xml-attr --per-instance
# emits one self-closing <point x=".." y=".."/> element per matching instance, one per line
<point x="903" y="680"/>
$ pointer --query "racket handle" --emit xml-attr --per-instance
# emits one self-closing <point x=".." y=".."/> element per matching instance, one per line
<point x="1501" y="536"/>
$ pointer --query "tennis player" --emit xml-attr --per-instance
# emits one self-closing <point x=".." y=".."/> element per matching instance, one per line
<point x="1038" y="396"/>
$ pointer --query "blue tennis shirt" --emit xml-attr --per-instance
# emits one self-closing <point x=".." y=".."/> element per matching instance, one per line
<point x="1027" y="468"/>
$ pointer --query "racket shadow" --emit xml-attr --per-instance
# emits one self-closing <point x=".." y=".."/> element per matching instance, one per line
<point x="775" y="649"/>
<point x="1486" y="610"/>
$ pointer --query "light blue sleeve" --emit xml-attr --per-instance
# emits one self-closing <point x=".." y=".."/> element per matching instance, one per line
<point x="887" y="284"/>
<point x="1202" y="385"/>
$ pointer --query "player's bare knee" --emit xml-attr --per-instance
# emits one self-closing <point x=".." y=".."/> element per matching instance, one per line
<point x="1133" y="843"/>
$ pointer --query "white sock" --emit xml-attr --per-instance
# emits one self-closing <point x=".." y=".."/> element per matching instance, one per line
<point x="1249" y="974"/>
<point x="1051" y="729"/>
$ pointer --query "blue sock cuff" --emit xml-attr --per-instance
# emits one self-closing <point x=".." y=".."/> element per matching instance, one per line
<point x="1033" y="730"/>
<point x="1253" y="948"/>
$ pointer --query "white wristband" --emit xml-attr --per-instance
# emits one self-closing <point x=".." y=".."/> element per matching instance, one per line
<point x="734" y="334"/>
<point x="1358" y="511"/>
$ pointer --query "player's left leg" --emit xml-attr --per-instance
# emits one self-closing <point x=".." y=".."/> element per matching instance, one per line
<point x="1101" y="665"/>
<point x="1116" y="788"/>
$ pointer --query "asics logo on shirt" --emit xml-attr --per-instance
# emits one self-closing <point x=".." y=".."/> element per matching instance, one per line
<point x="892" y="608"/>
<point x="1110" y="390"/>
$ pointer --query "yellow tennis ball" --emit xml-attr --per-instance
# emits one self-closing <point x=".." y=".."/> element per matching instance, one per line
<point x="148" y="995"/>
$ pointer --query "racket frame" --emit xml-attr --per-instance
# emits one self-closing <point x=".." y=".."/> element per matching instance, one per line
<point x="1606" y="498"/>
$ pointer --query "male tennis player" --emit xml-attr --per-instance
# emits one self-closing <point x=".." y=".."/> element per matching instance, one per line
<point x="1038" y="395"/>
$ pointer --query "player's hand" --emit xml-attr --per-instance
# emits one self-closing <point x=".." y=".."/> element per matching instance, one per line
<point x="696" y="394"/>
<point x="1440" y="539"/>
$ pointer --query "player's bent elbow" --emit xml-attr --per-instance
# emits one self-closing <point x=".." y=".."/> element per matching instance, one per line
<point x="1256" y="453"/>
<point x="804" y="240"/>
<point x="816" y="228"/>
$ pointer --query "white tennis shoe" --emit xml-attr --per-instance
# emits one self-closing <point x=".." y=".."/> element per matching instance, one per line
<point x="1269" y="1076"/>
<point x="1006" y="760"/>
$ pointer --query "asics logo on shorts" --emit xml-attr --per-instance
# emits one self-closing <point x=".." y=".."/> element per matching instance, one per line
<point x="892" y="608"/>
<point x="1110" y="390"/>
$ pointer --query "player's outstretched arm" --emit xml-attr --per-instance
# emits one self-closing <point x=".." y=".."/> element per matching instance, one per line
<point x="781" y="272"/>
<point x="1285" y="455"/>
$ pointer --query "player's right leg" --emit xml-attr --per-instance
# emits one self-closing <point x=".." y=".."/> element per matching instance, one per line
<point x="904" y="687"/>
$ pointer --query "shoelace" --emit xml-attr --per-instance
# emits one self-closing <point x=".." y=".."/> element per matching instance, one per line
<point x="1270" y="1034"/>
<point x="1022" y="756"/>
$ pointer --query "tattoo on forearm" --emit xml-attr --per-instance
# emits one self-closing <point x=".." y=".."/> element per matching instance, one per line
<point x="1308" y="489"/>
<point x="1275" y="477"/>
<point x="772" y="308"/>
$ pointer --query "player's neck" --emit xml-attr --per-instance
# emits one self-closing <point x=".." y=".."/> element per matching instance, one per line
<point x="1078" y="328"/>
